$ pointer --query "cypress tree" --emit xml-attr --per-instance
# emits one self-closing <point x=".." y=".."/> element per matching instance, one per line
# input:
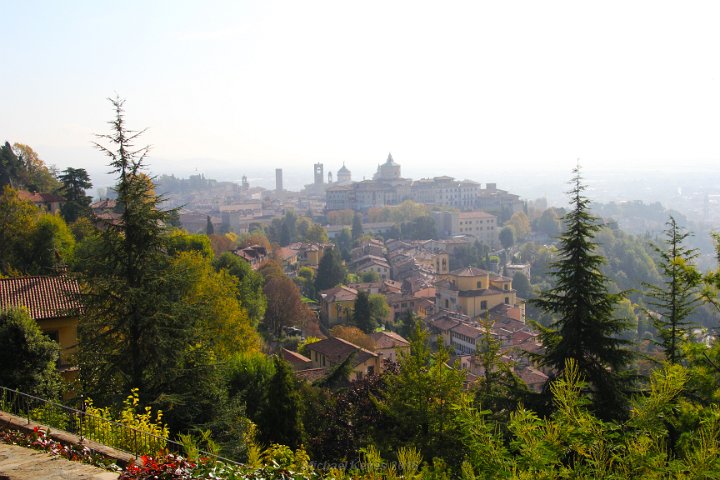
<point x="584" y="328"/>
<point x="357" y="228"/>
<point x="281" y="418"/>
<point x="330" y="270"/>
<point x="675" y="299"/>
<point x="362" y="313"/>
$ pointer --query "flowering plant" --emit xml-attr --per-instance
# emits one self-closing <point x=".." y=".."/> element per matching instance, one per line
<point x="39" y="439"/>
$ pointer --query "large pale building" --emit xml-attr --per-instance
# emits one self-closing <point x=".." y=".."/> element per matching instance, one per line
<point x="500" y="202"/>
<point x="445" y="191"/>
<point x="478" y="224"/>
<point x="386" y="188"/>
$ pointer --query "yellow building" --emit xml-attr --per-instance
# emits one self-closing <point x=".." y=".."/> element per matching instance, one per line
<point x="390" y="345"/>
<point x="474" y="292"/>
<point x="310" y="254"/>
<point x="337" y="304"/>
<point x="53" y="303"/>
<point x="438" y="262"/>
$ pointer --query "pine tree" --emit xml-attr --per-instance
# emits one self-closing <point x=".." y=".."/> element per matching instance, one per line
<point x="583" y="327"/>
<point x="676" y="298"/>
<point x="417" y="403"/>
<point x="156" y="317"/>
<point x="132" y="249"/>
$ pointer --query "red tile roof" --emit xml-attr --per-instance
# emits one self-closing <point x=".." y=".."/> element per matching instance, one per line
<point x="340" y="293"/>
<point x="311" y="375"/>
<point x="44" y="297"/>
<point x="467" y="330"/>
<point x="297" y="360"/>
<point x="388" y="339"/>
<point x="336" y="350"/>
<point x="37" y="197"/>
<point x="469" y="272"/>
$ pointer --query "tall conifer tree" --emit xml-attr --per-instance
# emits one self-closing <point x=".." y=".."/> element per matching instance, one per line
<point x="330" y="270"/>
<point x="676" y="298"/>
<point x="584" y="328"/>
<point x="281" y="418"/>
<point x="362" y="313"/>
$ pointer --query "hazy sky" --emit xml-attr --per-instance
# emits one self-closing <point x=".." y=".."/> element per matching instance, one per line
<point x="463" y="88"/>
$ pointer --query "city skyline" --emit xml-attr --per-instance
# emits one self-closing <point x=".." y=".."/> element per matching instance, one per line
<point x="466" y="90"/>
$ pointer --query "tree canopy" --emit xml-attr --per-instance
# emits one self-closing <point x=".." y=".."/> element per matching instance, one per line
<point x="31" y="354"/>
<point x="75" y="181"/>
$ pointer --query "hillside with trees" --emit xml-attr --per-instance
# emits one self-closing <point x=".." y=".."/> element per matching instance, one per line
<point x="204" y="343"/>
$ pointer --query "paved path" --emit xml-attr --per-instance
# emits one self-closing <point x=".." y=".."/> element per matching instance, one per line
<point x="19" y="463"/>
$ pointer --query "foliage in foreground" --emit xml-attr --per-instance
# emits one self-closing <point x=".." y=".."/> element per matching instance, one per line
<point x="571" y="443"/>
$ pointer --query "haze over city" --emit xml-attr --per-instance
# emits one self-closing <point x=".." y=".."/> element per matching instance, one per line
<point x="481" y="90"/>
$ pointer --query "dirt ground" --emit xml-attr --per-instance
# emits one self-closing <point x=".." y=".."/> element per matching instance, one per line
<point x="19" y="463"/>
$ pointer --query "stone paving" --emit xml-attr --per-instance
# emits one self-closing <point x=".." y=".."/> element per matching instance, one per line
<point x="19" y="463"/>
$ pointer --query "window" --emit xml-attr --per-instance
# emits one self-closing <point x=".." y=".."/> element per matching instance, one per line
<point x="507" y="300"/>
<point x="483" y="305"/>
<point x="479" y="284"/>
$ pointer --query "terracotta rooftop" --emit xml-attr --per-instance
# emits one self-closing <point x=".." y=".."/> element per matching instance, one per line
<point x="336" y="350"/>
<point x="44" y="297"/>
<point x="285" y="253"/>
<point x="467" y="330"/>
<point x="532" y="377"/>
<point x="370" y="260"/>
<point x="388" y="339"/>
<point x="39" y="197"/>
<point x="297" y="360"/>
<point x="444" y="324"/>
<point x="499" y="278"/>
<point x="339" y="294"/>
<point x="469" y="272"/>
<point x="507" y="314"/>
<point x="428" y="292"/>
<point x="311" y="374"/>
<point x="105" y="204"/>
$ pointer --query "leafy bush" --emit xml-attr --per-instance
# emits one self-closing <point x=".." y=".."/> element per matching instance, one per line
<point x="149" y="434"/>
